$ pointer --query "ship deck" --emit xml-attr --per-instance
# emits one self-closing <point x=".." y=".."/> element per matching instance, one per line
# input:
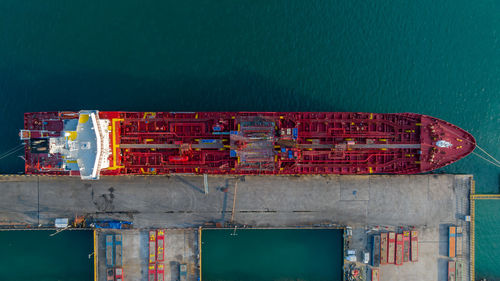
<point x="92" y="143"/>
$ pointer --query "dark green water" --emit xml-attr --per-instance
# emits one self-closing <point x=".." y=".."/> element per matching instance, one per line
<point x="36" y="256"/>
<point x="433" y="57"/>
<point x="272" y="255"/>
<point x="487" y="239"/>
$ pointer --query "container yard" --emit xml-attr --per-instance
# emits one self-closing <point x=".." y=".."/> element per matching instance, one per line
<point x="427" y="205"/>
<point x="182" y="249"/>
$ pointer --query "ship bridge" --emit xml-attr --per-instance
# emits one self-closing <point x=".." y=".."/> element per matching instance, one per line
<point x="84" y="146"/>
<point x="78" y="145"/>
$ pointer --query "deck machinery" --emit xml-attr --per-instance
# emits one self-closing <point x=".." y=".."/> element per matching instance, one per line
<point x="91" y="143"/>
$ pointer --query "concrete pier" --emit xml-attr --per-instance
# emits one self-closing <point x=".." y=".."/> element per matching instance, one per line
<point x="180" y="201"/>
<point x="429" y="203"/>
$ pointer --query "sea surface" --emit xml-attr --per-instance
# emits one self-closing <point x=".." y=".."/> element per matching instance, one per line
<point x="440" y="58"/>
<point x="277" y="254"/>
<point x="37" y="256"/>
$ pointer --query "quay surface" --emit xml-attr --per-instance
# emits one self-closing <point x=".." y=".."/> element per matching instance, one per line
<point x="430" y="203"/>
<point x="180" y="201"/>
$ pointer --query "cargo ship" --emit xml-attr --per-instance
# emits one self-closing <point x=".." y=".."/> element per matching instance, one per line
<point x="91" y="143"/>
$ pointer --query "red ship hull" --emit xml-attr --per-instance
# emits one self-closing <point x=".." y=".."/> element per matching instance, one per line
<point x="93" y="143"/>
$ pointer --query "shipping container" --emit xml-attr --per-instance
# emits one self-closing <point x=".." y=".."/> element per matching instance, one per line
<point x="406" y="246"/>
<point x="110" y="259"/>
<point x="399" y="249"/>
<point x="452" y="241"/>
<point x="414" y="246"/>
<point x="383" y="248"/>
<point x="392" y="248"/>
<point x="376" y="250"/>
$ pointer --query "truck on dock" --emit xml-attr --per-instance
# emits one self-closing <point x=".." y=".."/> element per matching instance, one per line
<point x="183" y="272"/>
<point x="118" y="274"/>
<point x="399" y="249"/>
<point x="406" y="246"/>
<point x="109" y="251"/>
<point x="392" y="248"/>
<point x="452" y="243"/>
<point x="152" y="246"/>
<point x="414" y="246"/>
<point x="383" y="248"/>
<point x="451" y="271"/>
